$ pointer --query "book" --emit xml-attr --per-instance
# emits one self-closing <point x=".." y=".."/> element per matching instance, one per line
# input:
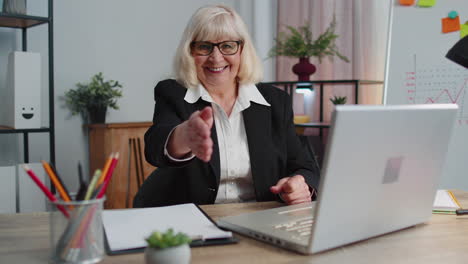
<point x="126" y="229"/>
<point x="445" y="203"/>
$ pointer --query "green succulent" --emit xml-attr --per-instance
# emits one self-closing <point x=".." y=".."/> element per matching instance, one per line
<point x="96" y="94"/>
<point x="167" y="239"/>
<point x="299" y="43"/>
<point x="336" y="100"/>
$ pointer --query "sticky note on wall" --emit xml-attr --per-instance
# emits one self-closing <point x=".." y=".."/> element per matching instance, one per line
<point x="450" y="25"/>
<point x="463" y="30"/>
<point x="426" y="3"/>
<point x="407" y="2"/>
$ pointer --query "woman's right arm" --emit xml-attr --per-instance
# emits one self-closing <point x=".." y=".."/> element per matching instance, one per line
<point x="193" y="137"/>
<point x="171" y="135"/>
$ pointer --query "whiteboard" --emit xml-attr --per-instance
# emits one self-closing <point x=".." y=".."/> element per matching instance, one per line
<point x="417" y="72"/>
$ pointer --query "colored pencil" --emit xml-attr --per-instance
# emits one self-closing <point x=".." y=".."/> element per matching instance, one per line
<point x="103" y="188"/>
<point x="105" y="169"/>
<point x="92" y="184"/>
<point x="54" y="170"/>
<point x="45" y="190"/>
<point x="56" y="182"/>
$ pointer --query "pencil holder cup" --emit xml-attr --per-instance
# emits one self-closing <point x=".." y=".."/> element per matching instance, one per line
<point x="76" y="232"/>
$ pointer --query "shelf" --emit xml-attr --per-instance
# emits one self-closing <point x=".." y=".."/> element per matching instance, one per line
<point x="345" y="81"/>
<point x="24" y="22"/>
<point x="21" y="21"/>
<point x="4" y="130"/>
<point x="120" y="125"/>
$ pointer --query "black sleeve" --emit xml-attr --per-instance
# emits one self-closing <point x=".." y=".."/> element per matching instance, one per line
<point x="167" y="115"/>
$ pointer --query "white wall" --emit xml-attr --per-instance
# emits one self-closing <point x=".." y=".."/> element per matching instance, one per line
<point x="8" y="142"/>
<point x="129" y="41"/>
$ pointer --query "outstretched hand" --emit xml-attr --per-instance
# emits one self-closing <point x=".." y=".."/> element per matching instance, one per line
<point x="194" y="135"/>
<point x="293" y="190"/>
<point x="199" y="133"/>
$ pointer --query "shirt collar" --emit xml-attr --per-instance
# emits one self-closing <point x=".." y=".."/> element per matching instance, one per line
<point x="247" y="93"/>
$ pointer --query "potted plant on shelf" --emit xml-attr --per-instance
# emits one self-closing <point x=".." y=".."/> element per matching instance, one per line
<point x="167" y="247"/>
<point x="299" y="43"/>
<point x="337" y="100"/>
<point x="91" y="100"/>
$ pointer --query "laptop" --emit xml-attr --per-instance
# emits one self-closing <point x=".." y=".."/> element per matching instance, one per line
<point x="380" y="174"/>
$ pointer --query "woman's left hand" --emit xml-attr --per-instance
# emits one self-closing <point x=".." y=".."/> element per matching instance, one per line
<point x="293" y="190"/>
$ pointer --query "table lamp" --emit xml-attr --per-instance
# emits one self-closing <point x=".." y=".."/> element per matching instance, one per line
<point x="459" y="52"/>
<point x="304" y="86"/>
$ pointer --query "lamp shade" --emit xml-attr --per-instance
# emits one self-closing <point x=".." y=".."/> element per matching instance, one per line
<point x="459" y="52"/>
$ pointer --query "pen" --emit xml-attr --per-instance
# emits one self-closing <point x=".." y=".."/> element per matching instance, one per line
<point x="461" y="211"/>
<point x="80" y="174"/>
<point x="56" y="182"/>
<point x="60" y="180"/>
<point x="83" y="186"/>
<point x="454" y="199"/>
<point x="44" y="189"/>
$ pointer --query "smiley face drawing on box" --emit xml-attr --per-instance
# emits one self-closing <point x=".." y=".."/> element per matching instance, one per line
<point x="27" y="112"/>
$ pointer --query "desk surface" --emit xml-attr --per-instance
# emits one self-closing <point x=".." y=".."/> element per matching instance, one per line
<point x="444" y="239"/>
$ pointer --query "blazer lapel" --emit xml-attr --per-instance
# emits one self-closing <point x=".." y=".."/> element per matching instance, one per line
<point x="257" y="120"/>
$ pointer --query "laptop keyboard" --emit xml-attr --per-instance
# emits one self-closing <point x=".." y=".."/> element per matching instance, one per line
<point x="299" y="227"/>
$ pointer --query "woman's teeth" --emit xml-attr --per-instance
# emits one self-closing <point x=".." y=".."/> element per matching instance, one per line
<point x="216" y="69"/>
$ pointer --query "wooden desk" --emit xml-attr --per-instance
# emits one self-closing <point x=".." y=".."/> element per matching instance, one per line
<point x="24" y="238"/>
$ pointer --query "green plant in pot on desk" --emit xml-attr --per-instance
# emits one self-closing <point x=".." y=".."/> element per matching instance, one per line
<point x="299" y="43"/>
<point x="167" y="247"/>
<point x="91" y="100"/>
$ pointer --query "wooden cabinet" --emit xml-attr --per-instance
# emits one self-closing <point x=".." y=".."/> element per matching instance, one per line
<point x="105" y="139"/>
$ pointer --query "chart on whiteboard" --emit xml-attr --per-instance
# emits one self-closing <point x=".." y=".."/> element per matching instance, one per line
<point x="430" y="82"/>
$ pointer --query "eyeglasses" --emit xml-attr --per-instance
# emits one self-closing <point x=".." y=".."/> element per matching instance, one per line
<point x="205" y="48"/>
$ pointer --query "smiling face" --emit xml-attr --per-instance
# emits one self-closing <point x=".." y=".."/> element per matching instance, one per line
<point x="27" y="112"/>
<point x="217" y="69"/>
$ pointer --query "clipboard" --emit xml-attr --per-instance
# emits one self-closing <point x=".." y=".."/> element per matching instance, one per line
<point x="195" y="243"/>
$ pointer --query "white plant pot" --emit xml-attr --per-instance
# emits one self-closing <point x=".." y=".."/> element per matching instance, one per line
<point x="171" y="255"/>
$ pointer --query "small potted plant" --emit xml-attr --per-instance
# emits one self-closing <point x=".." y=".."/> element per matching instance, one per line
<point x="91" y="100"/>
<point x="167" y="247"/>
<point x="299" y="43"/>
<point x="337" y="100"/>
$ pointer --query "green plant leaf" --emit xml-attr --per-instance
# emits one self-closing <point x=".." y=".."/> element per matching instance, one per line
<point x="167" y="239"/>
<point x="98" y="93"/>
<point x="298" y="43"/>
<point x="336" y="100"/>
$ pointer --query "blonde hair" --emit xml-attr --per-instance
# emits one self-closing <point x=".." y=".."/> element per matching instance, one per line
<point x="216" y="22"/>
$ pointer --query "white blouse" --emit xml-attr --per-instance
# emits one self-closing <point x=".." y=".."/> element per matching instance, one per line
<point x="236" y="184"/>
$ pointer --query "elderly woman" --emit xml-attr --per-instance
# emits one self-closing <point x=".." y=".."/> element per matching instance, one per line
<point x="217" y="137"/>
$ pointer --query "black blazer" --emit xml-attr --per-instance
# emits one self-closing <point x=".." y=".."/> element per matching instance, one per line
<point x="275" y="150"/>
